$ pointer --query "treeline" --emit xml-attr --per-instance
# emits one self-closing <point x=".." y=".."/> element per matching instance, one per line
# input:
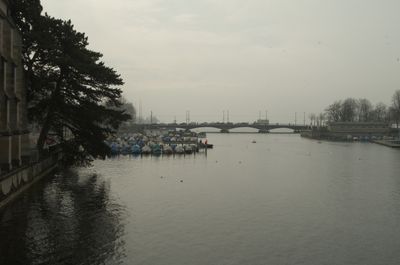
<point x="360" y="110"/>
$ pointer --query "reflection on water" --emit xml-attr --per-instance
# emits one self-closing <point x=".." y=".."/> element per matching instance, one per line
<point x="281" y="200"/>
<point x="70" y="220"/>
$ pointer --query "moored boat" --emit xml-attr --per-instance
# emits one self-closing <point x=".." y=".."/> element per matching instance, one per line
<point x="114" y="149"/>
<point x="136" y="149"/>
<point x="156" y="149"/>
<point x="146" y="150"/>
<point x="167" y="150"/>
<point x="194" y="148"/>
<point x="179" y="149"/>
<point x="188" y="149"/>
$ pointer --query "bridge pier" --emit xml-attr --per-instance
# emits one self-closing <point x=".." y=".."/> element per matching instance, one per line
<point x="224" y="131"/>
<point x="263" y="131"/>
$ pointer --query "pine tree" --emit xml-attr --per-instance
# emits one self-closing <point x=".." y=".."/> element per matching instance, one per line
<point x="69" y="87"/>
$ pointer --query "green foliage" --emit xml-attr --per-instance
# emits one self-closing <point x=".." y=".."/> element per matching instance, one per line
<point x="69" y="87"/>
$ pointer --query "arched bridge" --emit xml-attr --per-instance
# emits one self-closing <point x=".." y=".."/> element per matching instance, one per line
<point x="223" y="127"/>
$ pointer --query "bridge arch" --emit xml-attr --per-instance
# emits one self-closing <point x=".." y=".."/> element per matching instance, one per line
<point x="244" y="129"/>
<point x="205" y="129"/>
<point x="282" y="130"/>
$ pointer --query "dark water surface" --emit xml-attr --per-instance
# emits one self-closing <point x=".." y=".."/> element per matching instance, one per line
<point x="283" y="200"/>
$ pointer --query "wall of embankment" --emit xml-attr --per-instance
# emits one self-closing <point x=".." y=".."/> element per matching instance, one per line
<point x="14" y="183"/>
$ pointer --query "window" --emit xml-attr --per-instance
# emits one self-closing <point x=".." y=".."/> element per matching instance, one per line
<point x="18" y="113"/>
<point x="1" y="35"/>
<point x="14" y="73"/>
<point x="8" y="111"/>
<point x="3" y="8"/>
<point x="11" y="43"/>
<point x="4" y="75"/>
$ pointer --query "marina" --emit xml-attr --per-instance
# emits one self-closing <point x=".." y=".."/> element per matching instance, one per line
<point x="158" y="143"/>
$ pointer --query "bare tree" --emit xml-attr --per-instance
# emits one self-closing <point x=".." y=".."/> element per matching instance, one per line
<point x="313" y="118"/>
<point x="321" y="119"/>
<point x="380" y="112"/>
<point x="365" y="110"/>
<point x="334" y="111"/>
<point x="396" y="107"/>
<point x="349" y="110"/>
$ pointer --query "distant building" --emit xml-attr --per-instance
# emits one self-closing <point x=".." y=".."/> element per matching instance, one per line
<point x="262" y="122"/>
<point x="14" y="136"/>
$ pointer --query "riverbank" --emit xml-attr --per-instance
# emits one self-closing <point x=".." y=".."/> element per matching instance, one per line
<point x="323" y="133"/>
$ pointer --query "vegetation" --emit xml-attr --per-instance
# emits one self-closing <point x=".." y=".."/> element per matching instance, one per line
<point x="395" y="109"/>
<point x="69" y="88"/>
<point x="362" y="110"/>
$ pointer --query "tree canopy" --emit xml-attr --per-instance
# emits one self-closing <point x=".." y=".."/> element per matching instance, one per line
<point x="395" y="109"/>
<point x="362" y="110"/>
<point x="69" y="87"/>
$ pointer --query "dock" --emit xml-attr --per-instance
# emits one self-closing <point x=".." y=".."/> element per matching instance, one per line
<point x="388" y="143"/>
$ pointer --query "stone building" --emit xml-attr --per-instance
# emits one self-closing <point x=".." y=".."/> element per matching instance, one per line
<point x="14" y="136"/>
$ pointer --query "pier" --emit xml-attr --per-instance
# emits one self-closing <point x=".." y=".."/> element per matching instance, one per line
<point x="388" y="143"/>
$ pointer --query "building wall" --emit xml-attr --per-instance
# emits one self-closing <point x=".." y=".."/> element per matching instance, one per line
<point x="13" y="122"/>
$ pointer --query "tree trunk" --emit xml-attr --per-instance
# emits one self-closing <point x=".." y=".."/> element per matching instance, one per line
<point x="44" y="132"/>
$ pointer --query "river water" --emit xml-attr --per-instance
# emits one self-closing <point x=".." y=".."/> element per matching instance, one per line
<point x="282" y="200"/>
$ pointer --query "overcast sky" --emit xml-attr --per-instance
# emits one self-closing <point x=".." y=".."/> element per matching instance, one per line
<point x="206" y="56"/>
